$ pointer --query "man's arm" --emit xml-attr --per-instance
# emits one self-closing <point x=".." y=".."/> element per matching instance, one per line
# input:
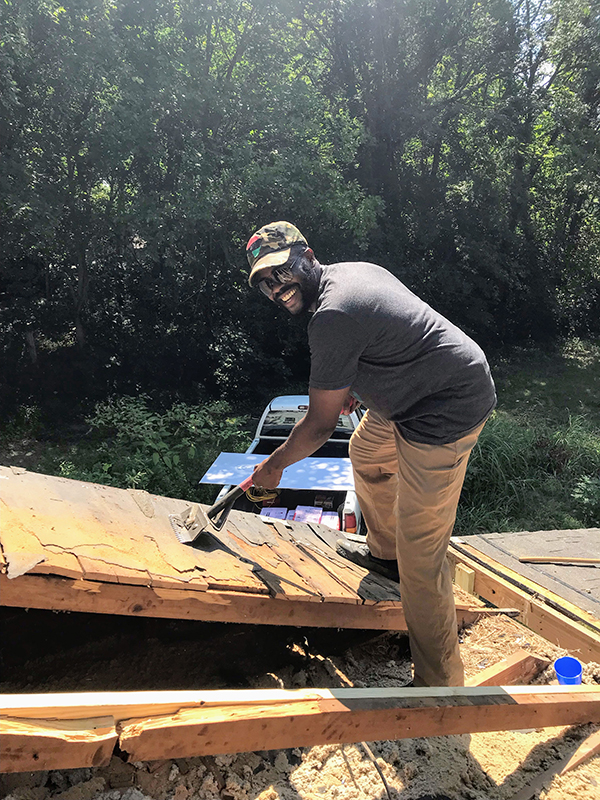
<point x="307" y="435"/>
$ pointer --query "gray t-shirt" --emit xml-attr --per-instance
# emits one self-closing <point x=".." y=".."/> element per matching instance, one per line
<point x="396" y="354"/>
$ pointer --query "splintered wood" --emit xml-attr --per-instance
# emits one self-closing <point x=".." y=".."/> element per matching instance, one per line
<point x="151" y="726"/>
<point x="84" y="547"/>
<point x="40" y="744"/>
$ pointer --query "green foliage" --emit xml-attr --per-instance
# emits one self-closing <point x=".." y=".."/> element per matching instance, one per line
<point x="131" y="445"/>
<point x="537" y="463"/>
<point x="456" y="143"/>
<point x="141" y="145"/>
<point x="24" y="424"/>
<point x="587" y="495"/>
<point x="553" y="383"/>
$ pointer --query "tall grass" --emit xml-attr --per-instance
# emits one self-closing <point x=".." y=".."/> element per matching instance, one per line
<point x="532" y="475"/>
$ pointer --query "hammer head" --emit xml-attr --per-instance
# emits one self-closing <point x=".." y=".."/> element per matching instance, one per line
<point x="189" y="524"/>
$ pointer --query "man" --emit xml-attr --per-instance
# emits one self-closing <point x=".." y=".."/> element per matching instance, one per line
<point x="428" y="391"/>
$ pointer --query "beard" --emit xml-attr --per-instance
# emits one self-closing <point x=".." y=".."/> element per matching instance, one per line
<point x="296" y="302"/>
<point x="306" y="277"/>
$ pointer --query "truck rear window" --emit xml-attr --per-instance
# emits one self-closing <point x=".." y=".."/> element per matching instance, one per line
<point x="280" y="423"/>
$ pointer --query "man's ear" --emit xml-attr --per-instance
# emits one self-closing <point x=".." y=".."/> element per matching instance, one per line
<point x="309" y="254"/>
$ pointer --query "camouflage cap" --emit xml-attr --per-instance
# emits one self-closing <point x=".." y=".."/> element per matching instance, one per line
<point x="270" y="247"/>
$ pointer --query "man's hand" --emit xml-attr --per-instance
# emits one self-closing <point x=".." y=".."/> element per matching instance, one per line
<point x="350" y="404"/>
<point x="266" y="476"/>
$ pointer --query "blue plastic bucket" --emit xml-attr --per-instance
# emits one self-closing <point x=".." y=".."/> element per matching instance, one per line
<point x="568" y="670"/>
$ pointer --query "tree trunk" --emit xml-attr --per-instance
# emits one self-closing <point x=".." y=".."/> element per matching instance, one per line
<point x="31" y="346"/>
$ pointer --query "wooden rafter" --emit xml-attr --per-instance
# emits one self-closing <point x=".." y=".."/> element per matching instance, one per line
<point x="539" y="609"/>
<point x="49" y="592"/>
<point x="40" y="744"/>
<point x="162" y="725"/>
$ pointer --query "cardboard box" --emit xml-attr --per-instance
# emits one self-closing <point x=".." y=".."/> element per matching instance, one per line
<point x="308" y="514"/>
<point x="331" y="519"/>
<point x="274" y="511"/>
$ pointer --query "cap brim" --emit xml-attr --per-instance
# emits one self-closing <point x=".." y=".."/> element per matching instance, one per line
<point x="270" y="260"/>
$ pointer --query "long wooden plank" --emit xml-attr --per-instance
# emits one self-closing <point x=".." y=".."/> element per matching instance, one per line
<point x="124" y="705"/>
<point x="518" y="668"/>
<point x="40" y="591"/>
<point x="180" y="724"/>
<point x="47" y="592"/>
<point x="533" y="612"/>
<point x="42" y="744"/>
<point x="345" y="717"/>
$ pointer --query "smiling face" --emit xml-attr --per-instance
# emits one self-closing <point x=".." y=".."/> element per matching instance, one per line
<point x="300" y="293"/>
<point x="290" y="297"/>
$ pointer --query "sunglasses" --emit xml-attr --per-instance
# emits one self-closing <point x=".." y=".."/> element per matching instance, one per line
<point x="278" y="277"/>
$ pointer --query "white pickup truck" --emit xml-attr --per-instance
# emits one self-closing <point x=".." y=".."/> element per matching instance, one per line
<point x="275" y="424"/>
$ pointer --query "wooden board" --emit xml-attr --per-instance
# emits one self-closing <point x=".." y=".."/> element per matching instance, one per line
<point x="588" y="748"/>
<point x="586" y="562"/>
<point x="581" y="640"/>
<point x="351" y="716"/>
<point x="519" y="668"/>
<point x="42" y="744"/>
<point x="39" y="591"/>
<point x="123" y="705"/>
<point x="185" y="724"/>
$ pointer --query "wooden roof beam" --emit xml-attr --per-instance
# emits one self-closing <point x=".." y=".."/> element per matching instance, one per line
<point x="229" y="722"/>
<point x="65" y="594"/>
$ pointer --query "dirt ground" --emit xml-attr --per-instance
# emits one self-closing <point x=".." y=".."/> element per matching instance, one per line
<point x="46" y="652"/>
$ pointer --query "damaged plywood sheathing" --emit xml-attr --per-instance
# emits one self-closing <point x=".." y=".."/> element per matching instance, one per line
<point x="540" y="609"/>
<point x="231" y="722"/>
<point x="84" y="547"/>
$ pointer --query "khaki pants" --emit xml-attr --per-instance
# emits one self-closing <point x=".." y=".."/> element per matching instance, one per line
<point x="408" y="493"/>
